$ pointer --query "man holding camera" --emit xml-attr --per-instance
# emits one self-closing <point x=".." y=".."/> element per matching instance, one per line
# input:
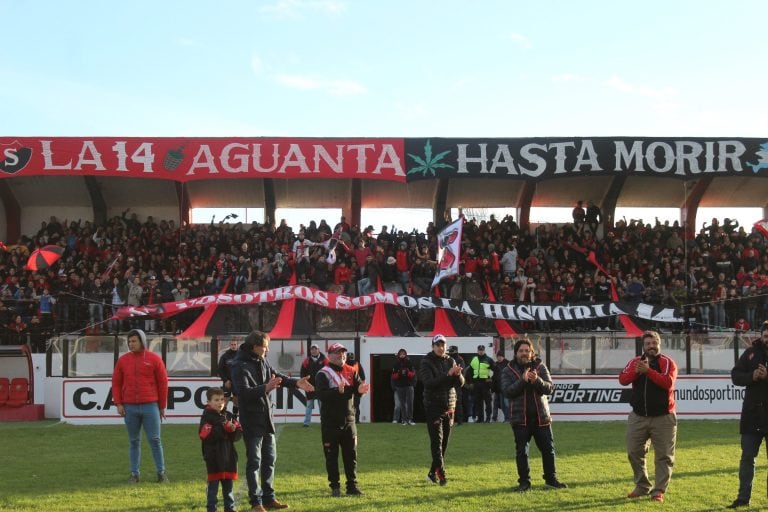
<point x="526" y="383"/>
<point x="653" y="417"/>
<point x="751" y="372"/>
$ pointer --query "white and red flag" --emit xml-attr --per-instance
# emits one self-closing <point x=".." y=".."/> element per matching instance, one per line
<point x="448" y="251"/>
<point x="762" y="227"/>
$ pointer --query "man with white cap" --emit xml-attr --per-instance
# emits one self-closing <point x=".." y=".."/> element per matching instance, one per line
<point x="140" y="392"/>
<point x="337" y="384"/>
<point x="440" y="375"/>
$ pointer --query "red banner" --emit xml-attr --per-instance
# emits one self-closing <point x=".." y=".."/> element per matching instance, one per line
<point x="186" y="159"/>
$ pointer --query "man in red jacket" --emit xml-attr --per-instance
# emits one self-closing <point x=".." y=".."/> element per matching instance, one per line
<point x="140" y="392"/>
<point x="653" y="417"/>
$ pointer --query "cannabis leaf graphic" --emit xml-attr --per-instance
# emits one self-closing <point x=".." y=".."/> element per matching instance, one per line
<point x="429" y="163"/>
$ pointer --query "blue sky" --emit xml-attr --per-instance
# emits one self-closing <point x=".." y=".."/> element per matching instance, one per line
<point x="332" y="68"/>
<point x="394" y="68"/>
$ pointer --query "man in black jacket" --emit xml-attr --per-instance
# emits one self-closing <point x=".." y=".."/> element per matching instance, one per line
<point x="253" y="380"/>
<point x="499" y="400"/>
<point x="526" y="383"/>
<point x="751" y="372"/>
<point x="440" y="375"/>
<point x="337" y="385"/>
<point x="309" y="368"/>
<point x="225" y="373"/>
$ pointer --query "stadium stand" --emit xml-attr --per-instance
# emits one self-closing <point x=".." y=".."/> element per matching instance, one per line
<point x="719" y="278"/>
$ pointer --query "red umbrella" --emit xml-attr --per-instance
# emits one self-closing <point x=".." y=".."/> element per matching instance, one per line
<point x="44" y="257"/>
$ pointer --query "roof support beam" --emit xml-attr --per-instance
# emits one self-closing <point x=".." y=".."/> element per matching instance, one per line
<point x="524" y="205"/>
<point x="270" y="203"/>
<point x="694" y="191"/>
<point x="12" y="213"/>
<point x="608" y="208"/>
<point x="184" y="204"/>
<point x="439" y="203"/>
<point x="98" y="203"/>
<point x="355" y="202"/>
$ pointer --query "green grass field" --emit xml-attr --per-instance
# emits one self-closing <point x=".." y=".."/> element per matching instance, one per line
<point x="56" y="467"/>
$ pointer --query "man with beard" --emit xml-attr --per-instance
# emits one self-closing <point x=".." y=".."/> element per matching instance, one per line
<point x="751" y="372"/>
<point x="440" y="376"/>
<point x="337" y="385"/>
<point x="653" y="417"/>
<point x="526" y="383"/>
<point x="254" y="379"/>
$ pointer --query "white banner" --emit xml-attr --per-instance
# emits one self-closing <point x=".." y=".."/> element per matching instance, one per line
<point x="89" y="401"/>
<point x="599" y="398"/>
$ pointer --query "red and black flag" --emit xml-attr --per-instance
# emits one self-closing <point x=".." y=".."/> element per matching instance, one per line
<point x="389" y="320"/>
<point x="293" y="319"/>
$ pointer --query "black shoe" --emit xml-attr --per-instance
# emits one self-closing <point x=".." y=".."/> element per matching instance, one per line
<point x="738" y="504"/>
<point x="354" y="491"/>
<point x="555" y="484"/>
<point x="524" y="486"/>
<point x="134" y="478"/>
<point x="441" y="477"/>
<point x="432" y="477"/>
<point x="335" y="492"/>
<point x="162" y="478"/>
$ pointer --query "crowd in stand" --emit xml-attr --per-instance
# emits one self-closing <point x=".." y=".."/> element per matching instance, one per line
<point x="719" y="279"/>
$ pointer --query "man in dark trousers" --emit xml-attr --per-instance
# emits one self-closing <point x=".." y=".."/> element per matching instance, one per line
<point x="337" y="385"/>
<point x="499" y="401"/>
<point x="652" y="418"/>
<point x="309" y="368"/>
<point x="225" y="374"/>
<point x="482" y="366"/>
<point x="440" y="376"/>
<point x="355" y="364"/>
<point x="462" y="393"/>
<point x="527" y="384"/>
<point x="751" y="372"/>
<point x="254" y="379"/>
<point x="403" y="380"/>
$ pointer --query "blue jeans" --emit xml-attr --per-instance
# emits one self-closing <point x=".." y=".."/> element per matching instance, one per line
<point x="147" y="415"/>
<point x="226" y="491"/>
<point x="261" y="452"/>
<point x="546" y="444"/>
<point x="310" y="408"/>
<point x="750" y="447"/>
<point x="403" y="404"/>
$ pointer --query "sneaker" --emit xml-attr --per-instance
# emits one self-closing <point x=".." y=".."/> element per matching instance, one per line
<point x="411" y="422"/>
<point x="275" y="505"/>
<point x="658" y="497"/>
<point x="335" y="492"/>
<point x="162" y="478"/>
<point x="305" y="425"/>
<point x="394" y="422"/>
<point x="258" y="508"/>
<point x="354" y="491"/>
<point x="738" y="504"/>
<point x="134" y="478"/>
<point x="637" y="494"/>
<point x="432" y="477"/>
<point x="555" y="484"/>
<point x="524" y="486"/>
<point x="441" y="477"/>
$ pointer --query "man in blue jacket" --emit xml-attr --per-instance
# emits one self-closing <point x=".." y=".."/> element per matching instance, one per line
<point x="254" y="379"/>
